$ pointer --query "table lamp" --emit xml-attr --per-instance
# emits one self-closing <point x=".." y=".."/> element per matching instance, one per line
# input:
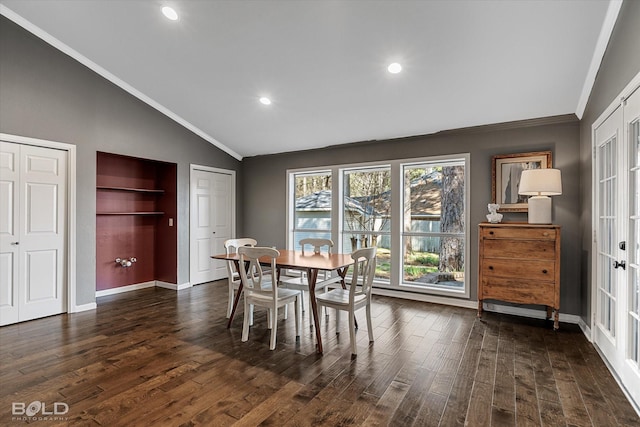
<point x="540" y="184"/>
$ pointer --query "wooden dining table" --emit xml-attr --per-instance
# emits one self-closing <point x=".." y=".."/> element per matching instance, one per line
<point x="312" y="264"/>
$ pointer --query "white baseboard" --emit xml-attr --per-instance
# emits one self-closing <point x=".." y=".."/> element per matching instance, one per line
<point x="586" y="330"/>
<point x="456" y="302"/>
<point x="83" y="307"/>
<point x="173" y="286"/>
<point x="491" y="307"/>
<point x="127" y="288"/>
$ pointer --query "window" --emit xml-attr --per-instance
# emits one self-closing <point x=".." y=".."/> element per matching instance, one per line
<point x="433" y="232"/>
<point x="366" y="213"/>
<point x="312" y="207"/>
<point x="414" y="211"/>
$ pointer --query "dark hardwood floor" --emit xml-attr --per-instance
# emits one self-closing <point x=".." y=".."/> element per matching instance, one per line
<point x="155" y="357"/>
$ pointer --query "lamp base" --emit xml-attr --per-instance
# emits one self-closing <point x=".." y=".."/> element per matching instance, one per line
<point x="539" y="210"/>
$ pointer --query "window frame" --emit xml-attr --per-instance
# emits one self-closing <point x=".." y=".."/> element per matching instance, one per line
<point x="396" y="280"/>
<point x="291" y="215"/>
<point x="434" y="289"/>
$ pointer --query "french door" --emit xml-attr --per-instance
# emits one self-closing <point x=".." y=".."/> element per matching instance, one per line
<point x="616" y="320"/>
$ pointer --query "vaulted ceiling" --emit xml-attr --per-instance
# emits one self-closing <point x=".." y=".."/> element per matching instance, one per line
<point x="323" y="64"/>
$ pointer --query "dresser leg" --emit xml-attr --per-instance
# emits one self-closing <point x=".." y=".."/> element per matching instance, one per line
<point x="479" y="309"/>
<point x="556" y="317"/>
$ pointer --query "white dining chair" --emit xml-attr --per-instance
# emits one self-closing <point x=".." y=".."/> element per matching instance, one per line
<point x="231" y="247"/>
<point x="356" y="297"/>
<point x="260" y="289"/>
<point x="300" y="282"/>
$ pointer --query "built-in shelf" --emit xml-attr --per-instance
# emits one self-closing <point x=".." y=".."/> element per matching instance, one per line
<point x="129" y="213"/>
<point x="135" y="190"/>
<point x="136" y="210"/>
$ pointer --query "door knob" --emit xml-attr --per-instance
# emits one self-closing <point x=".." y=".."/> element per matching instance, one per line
<point x="15" y="243"/>
<point x="622" y="264"/>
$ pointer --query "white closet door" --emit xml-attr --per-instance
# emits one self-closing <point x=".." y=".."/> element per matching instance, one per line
<point x="33" y="227"/>
<point x="9" y="232"/>
<point x="211" y="223"/>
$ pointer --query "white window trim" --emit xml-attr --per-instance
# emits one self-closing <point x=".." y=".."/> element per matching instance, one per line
<point x="395" y="282"/>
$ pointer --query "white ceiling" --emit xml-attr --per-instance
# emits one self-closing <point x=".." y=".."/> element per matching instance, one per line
<point x="323" y="63"/>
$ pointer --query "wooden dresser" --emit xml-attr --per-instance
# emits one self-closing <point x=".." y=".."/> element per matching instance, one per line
<point x="520" y="263"/>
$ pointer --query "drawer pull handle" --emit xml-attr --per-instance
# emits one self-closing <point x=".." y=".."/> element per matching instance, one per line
<point x="491" y="232"/>
<point x="544" y="271"/>
<point x="491" y="267"/>
<point x="545" y="234"/>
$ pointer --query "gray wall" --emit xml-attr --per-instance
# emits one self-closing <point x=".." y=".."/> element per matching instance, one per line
<point x="46" y="94"/>
<point x="620" y="64"/>
<point x="265" y="198"/>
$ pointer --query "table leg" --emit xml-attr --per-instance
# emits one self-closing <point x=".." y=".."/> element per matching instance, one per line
<point x="342" y="272"/>
<point x="236" y="299"/>
<point x="312" y="276"/>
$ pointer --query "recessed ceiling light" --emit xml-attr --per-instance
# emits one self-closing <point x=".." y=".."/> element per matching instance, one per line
<point x="170" y="13"/>
<point x="394" y="68"/>
<point x="264" y="100"/>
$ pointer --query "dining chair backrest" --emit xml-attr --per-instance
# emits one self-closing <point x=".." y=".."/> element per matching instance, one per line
<point x="253" y="277"/>
<point x="317" y="244"/>
<point x="364" y="270"/>
<point x="231" y="247"/>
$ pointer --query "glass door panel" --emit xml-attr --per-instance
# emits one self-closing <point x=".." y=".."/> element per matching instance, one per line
<point x="607" y="208"/>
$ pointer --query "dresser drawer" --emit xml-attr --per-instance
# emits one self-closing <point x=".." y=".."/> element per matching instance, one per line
<point x="498" y="248"/>
<point x="521" y="269"/>
<point x="521" y="291"/>
<point x="517" y="233"/>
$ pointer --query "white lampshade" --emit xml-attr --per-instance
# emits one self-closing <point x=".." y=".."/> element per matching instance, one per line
<point x="540" y="182"/>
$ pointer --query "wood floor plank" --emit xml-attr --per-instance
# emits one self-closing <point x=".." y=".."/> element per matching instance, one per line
<point x="161" y="358"/>
<point x="479" y="409"/>
<point x="387" y="404"/>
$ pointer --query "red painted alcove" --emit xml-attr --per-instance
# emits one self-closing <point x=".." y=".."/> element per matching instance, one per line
<point x="135" y="202"/>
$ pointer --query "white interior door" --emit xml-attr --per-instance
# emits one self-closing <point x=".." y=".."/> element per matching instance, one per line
<point x="212" y="219"/>
<point x="629" y="261"/>
<point x="32" y="229"/>
<point x="608" y="143"/>
<point x="616" y="323"/>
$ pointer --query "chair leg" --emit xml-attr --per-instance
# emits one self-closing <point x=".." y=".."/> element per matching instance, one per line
<point x="274" y="329"/>
<point x="245" y="323"/>
<point x="352" y="333"/>
<point x="250" y="314"/>
<point x="230" y="303"/>
<point x="302" y="300"/>
<point x="298" y="306"/>
<point x="326" y="312"/>
<point x="337" y="322"/>
<point x="369" y="326"/>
